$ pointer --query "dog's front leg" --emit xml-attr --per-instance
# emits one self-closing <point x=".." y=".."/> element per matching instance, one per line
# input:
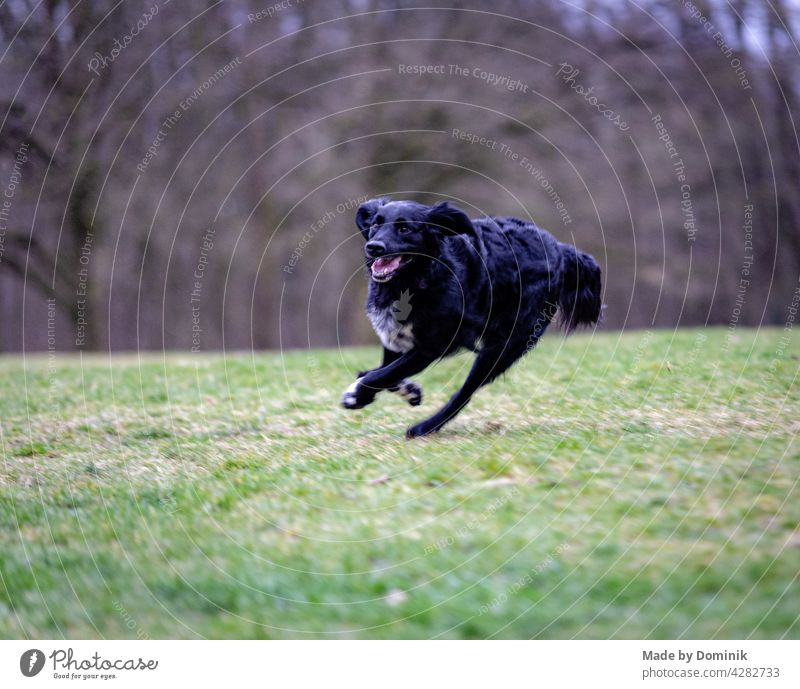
<point x="388" y="357"/>
<point x="363" y="391"/>
<point x="410" y="391"/>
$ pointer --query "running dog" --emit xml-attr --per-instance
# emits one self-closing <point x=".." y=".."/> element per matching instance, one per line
<point x="440" y="283"/>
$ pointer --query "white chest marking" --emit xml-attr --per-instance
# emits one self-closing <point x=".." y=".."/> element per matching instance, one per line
<point x="395" y="336"/>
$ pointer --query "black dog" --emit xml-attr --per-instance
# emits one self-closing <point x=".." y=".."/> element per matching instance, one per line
<point x="441" y="282"/>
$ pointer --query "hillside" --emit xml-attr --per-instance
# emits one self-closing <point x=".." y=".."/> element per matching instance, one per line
<point x="636" y="485"/>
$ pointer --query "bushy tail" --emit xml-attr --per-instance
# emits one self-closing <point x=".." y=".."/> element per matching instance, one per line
<point x="579" y="302"/>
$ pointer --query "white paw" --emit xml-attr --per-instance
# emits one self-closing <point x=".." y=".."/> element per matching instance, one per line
<point x="349" y="399"/>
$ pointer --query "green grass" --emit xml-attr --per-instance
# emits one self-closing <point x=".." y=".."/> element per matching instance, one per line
<point x="637" y="485"/>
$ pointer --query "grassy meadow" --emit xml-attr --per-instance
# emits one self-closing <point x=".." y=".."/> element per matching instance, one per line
<point x="611" y="485"/>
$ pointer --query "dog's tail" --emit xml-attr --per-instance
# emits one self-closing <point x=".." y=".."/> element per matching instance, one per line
<point x="580" y="300"/>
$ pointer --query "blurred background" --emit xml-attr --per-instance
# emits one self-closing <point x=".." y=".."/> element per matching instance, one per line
<point x="181" y="175"/>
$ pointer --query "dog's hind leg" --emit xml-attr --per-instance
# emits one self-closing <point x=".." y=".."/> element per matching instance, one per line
<point x="489" y="364"/>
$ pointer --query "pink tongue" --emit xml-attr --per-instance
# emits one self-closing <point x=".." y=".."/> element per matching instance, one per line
<point x="381" y="265"/>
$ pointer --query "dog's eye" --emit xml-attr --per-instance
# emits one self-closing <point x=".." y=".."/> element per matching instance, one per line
<point x="404" y="229"/>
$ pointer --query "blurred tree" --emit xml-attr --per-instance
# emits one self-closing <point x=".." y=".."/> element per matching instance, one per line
<point x="149" y="126"/>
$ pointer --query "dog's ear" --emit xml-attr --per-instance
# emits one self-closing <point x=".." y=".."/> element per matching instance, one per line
<point x="366" y="214"/>
<point x="449" y="220"/>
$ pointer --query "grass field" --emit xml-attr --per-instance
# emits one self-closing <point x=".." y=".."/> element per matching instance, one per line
<point x="637" y="485"/>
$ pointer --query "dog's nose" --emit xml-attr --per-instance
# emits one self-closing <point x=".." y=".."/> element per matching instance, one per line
<point x="374" y="248"/>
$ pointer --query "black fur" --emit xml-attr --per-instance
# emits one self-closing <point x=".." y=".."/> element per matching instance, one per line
<point x="490" y="285"/>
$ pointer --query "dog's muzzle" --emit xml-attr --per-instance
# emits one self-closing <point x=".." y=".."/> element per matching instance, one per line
<point x="386" y="267"/>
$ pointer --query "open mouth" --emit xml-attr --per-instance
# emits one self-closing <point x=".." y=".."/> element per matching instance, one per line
<point x="385" y="268"/>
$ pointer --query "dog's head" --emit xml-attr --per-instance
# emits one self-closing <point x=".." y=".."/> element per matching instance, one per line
<point x="402" y="234"/>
